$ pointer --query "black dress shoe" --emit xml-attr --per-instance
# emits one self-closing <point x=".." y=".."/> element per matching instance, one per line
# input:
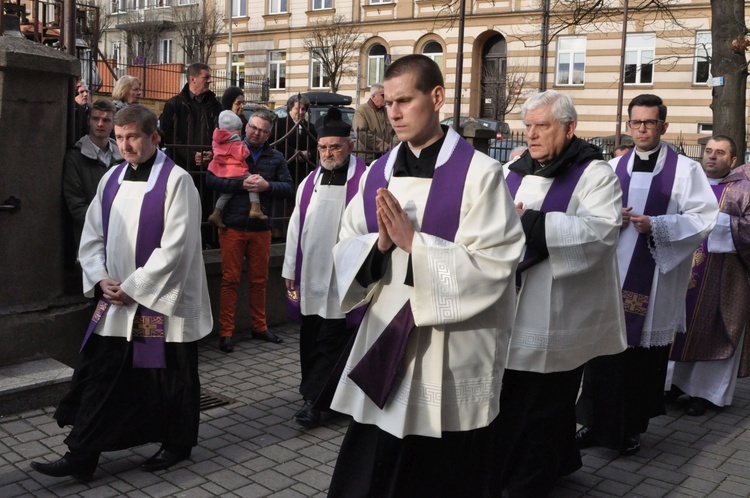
<point x="165" y="458"/>
<point x="630" y="445"/>
<point x="585" y="437"/>
<point x="308" y="416"/>
<point x="672" y="395"/>
<point x="225" y="343"/>
<point x="67" y="466"/>
<point x="697" y="406"/>
<point x="268" y="336"/>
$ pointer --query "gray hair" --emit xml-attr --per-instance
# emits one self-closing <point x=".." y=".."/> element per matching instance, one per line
<point x="563" y="109"/>
<point x="376" y="86"/>
<point x="264" y="115"/>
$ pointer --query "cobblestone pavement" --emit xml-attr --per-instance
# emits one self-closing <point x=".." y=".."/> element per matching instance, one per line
<point x="252" y="447"/>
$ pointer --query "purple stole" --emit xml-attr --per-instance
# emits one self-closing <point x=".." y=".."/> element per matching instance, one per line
<point x="352" y="184"/>
<point x="556" y="200"/>
<point x="701" y="261"/>
<point x="636" y="289"/>
<point x="376" y="372"/>
<point x="148" y="325"/>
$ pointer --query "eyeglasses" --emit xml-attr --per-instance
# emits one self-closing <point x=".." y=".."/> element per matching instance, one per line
<point x="333" y="148"/>
<point x="650" y="124"/>
<point x="259" y="130"/>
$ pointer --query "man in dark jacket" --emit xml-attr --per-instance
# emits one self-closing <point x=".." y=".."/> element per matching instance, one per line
<point x="247" y="237"/>
<point x="188" y="120"/>
<point x="87" y="161"/>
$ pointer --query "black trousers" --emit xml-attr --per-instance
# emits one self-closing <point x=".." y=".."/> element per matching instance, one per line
<point x="321" y="342"/>
<point x="536" y="432"/>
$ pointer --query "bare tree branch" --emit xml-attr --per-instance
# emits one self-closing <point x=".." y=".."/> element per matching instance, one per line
<point x="198" y="28"/>
<point x="335" y="42"/>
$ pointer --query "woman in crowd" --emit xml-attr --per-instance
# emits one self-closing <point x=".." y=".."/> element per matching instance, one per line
<point x="127" y="91"/>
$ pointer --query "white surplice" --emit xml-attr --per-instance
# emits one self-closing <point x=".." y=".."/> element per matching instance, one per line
<point x="690" y="217"/>
<point x="570" y="304"/>
<point x="463" y="301"/>
<point x="318" y="289"/>
<point x="173" y="280"/>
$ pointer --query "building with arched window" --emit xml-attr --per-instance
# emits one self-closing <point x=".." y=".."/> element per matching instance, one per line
<point x="504" y="56"/>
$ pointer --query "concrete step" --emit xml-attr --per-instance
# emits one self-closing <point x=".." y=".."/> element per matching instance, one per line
<point x="33" y="384"/>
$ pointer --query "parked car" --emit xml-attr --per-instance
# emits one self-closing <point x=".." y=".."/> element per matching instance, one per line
<point x="500" y="128"/>
<point x="249" y="109"/>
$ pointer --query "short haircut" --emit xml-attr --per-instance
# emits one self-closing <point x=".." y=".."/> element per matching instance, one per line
<point x="426" y="70"/>
<point x="262" y="114"/>
<point x="649" y="100"/>
<point x="196" y="68"/>
<point x="104" y="105"/>
<point x="138" y="114"/>
<point x="123" y="87"/>
<point x="81" y="83"/>
<point x="375" y="87"/>
<point x="298" y="97"/>
<point x="732" y="143"/>
<point x="563" y="109"/>
<point x="623" y="147"/>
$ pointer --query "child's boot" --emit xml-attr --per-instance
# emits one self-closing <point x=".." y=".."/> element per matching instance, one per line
<point x="255" y="211"/>
<point x="216" y="218"/>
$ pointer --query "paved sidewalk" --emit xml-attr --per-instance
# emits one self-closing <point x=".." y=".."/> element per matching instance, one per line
<point x="252" y="447"/>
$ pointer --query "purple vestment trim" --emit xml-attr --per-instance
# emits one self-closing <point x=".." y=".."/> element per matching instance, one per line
<point x="292" y="302"/>
<point x="376" y="371"/>
<point x="701" y="260"/>
<point x="148" y="325"/>
<point x="636" y="289"/>
<point x="556" y="200"/>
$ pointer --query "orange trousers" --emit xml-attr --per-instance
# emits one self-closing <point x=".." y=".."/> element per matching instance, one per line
<point x="236" y="246"/>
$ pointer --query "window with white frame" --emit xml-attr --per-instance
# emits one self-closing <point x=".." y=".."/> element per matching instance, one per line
<point x="239" y="8"/>
<point x="186" y="2"/>
<point x="238" y="70"/>
<point x="116" y="52"/>
<point x="375" y="64"/>
<point x="277" y="69"/>
<point x="277" y="6"/>
<point x="319" y="77"/>
<point x="118" y="6"/>
<point x="702" y="69"/>
<point x="706" y="128"/>
<point x="322" y="4"/>
<point x="434" y="51"/>
<point x="571" y="60"/>
<point x="639" y="59"/>
<point x="378" y="2"/>
<point x="165" y="51"/>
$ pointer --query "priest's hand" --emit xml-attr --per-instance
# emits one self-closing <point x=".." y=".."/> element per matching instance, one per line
<point x="519" y="209"/>
<point x="641" y="222"/>
<point x="394" y="220"/>
<point x="255" y="183"/>
<point x="113" y="292"/>
<point x="292" y="290"/>
<point x="626" y="216"/>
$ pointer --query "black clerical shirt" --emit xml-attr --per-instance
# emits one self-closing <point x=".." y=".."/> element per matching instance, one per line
<point x="140" y="173"/>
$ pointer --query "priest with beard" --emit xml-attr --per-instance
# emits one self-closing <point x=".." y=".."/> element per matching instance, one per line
<point x="308" y="263"/>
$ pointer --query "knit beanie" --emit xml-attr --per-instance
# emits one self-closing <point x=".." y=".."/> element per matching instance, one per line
<point x="229" y="121"/>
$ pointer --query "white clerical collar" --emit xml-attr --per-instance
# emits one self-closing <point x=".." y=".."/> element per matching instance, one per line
<point x="646" y="154"/>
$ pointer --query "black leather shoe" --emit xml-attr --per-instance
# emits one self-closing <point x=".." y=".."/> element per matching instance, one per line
<point x="672" y="395"/>
<point x="66" y="466"/>
<point x="585" y="437"/>
<point x="165" y="458"/>
<point x="697" y="406"/>
<point x="308" y="416"/>
<point x="630" y="445"/>
<point x="268" y="336"/>
<point x="225" y="343"/>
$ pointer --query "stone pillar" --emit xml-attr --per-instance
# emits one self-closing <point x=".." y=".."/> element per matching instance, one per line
<point x="35" y="82"/>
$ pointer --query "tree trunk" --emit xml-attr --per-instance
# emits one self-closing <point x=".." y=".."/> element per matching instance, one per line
<point x="728" y="103"/>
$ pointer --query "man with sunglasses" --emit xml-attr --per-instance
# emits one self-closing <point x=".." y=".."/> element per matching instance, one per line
<point x="246" y="237"/>
<point x="308" y="263"/>
<point x="668" y="210"/>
